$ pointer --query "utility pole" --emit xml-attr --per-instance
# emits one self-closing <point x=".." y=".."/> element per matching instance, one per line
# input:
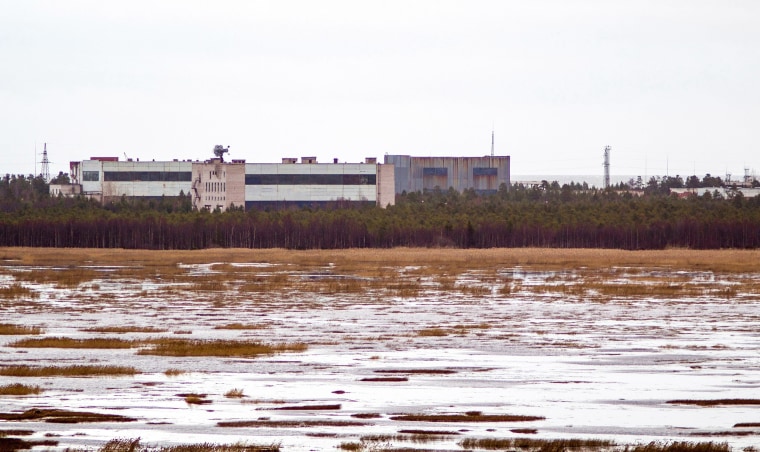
<point x="607" y="150"/>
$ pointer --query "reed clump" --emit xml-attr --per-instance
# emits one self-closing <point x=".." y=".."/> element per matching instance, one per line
<point x="234" y="393"/>
<point x="220" y="348"/>
<point x="173" y="372"/>
<point x="66" y="371"/>
<point x="67" y="342"/>
<point x="11" y="329"/>
<point x="133" y="445"/>
<point x="679" y="446"/>
<point x="18" y="389"/>
<point x="17" y="290"/>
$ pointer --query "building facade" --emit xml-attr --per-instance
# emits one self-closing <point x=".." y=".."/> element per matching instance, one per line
<point x="482" y="174"/>
<point x="215" y="184"/>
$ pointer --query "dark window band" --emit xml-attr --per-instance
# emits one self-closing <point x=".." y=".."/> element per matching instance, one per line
<point x="147" y="176"/>
<point x="484" y="172"/>
<point x="310" y="179"/>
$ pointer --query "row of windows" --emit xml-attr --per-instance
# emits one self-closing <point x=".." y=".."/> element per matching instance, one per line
<point x="443" y="171"/>
<point x="310" y="179"/>
<point x="147" y="176"/>
<point x="435" y="171"/>
<point x="216" y="186"/>
<point x="485" y="171"/>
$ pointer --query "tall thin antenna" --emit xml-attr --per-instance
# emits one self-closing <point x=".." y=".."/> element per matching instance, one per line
<point x="492" y="142"/>
<point x="45" y="171"/>
<point x="607" y="150"/>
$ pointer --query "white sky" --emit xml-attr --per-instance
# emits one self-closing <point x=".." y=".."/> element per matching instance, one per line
<point x="670" y="85"/>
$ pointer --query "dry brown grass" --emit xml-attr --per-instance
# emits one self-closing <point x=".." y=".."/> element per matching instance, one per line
<point x="11" y="329"/>
<point x="449" y="259"/>
<point x="17" y="290"/>
<point x="234" y="393"/>
<point x="195" y="399"/>
<point x="242" y="326"/>
<point x="433" y="332"/>
<point x="68" y="277"/>
<point x="530" y="444"/>
<point x="66" y="371"/>
<point x="133" y="445"/>
<point x="67" y="342"/>
<point x="221" y="348"/>
<point x="18" y="389"/>
<point x="172" y="372"/>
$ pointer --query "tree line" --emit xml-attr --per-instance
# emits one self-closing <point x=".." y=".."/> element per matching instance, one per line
<point x="549" y="215"/>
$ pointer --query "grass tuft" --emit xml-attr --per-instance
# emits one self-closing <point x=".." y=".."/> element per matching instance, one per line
<point x="19" y="389"/>
<point x="17" y="290"/>
<point x="234" y="393"/>
<point x="221" y="348"/>
<point x="67" y="342"/>
<point x="11" y="329"/>
<point x="66" y="371"/>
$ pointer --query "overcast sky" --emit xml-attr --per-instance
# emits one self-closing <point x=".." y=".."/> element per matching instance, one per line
<point x="670" y="85"/>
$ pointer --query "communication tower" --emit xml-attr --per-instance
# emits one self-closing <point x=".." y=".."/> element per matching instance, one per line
<point x="607" y="150"/>
<point x="45" y="171"/>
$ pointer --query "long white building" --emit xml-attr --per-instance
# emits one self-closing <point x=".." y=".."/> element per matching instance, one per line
<point x="215" y="184"/>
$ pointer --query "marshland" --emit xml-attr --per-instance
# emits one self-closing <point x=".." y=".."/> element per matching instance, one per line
<point x="393" y="349"/>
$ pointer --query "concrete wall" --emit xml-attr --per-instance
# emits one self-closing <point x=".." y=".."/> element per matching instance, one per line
<point x="386" y="190"/>
<point x="483" y="174"/>
<point x="218" y="185"/>
<point x="307" y="192"/>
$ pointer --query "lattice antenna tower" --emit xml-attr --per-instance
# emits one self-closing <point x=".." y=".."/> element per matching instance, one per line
<point x="607" y="150"/>
<point x="45" y="170"/>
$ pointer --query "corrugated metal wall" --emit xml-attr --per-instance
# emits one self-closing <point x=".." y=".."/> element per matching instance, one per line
<point x="483" y="174"/>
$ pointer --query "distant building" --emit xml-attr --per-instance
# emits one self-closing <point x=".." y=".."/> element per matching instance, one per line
<point x="215" y="184"/>
<point x="482" y="174"/>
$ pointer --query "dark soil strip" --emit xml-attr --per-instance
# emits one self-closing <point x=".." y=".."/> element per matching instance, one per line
<point x="747" y="424"/>
<point x="524" y="431"/>
<point x="291" y="424"/>
<point x="466" y="418"/>
<point x="306" y="407"/>
<point x="417" y="371"/>
<point x="16" y="433"/>
<point x="716" y="402"/>
<point x="429" y="432"/>
<point x="389" y="379"/>
<point x="13" y="444"/>
<point x="63" y="416"/>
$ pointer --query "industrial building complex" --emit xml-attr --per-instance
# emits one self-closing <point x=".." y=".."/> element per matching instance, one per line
<point x="217" y="184"/>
